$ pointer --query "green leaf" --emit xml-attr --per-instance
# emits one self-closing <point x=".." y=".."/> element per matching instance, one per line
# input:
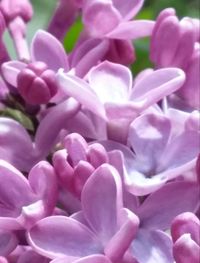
<point x="19" y="116"/>
<point x="72" y="35"/>
<point x="142" y="56"/>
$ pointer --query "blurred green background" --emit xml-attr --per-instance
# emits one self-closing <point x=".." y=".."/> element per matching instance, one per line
<point x="44" y="10"/>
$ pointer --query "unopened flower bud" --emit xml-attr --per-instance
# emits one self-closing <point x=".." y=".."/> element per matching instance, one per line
<point x="13" y="8"/>
<point x="185" y="234"/>
<point x="37" y="83"/>
<point x="176" y="53"/>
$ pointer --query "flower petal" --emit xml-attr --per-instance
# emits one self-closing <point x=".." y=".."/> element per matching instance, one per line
<point x="102" y="216"/>
<point x="132" y="30"/>
<point x="111" y="82"/>
<point x="100" y="17"/>
<point x="185" y="146"/>
<point x="31" y="256"/>
<point x="16" y="147"/>
<point x="148" y="136"/>
<point x="43" y="182"/>
<point x="120" y="242"/>
<point x="46" y="48"/>
<point x="81" y="91"/>
<point x="10" y="71"/>
<point x="17" y="184"/>
<point x="89" y="259"/>
<point x="8" y="242"/>
<point x="129" y="8"/>
<point x="52" y="124"/>
<point x="59" y="236"/>
<point x="88" y="54"/>
<point x="152" y="247"/>
<point x="156" y="86"/>
<point x="160" y="208"/>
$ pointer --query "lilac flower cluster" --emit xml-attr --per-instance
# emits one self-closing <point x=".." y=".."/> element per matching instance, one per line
<point x="108" y="168"/>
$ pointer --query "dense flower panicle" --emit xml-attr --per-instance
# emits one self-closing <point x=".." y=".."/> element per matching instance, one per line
<point x="98" y="166"/>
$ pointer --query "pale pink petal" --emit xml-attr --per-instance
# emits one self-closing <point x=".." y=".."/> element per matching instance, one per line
<point x="89" y="259"/>
<point x="152" y="247"/>
<point x="17" y="184"/>
<point x="88" y="125"/>
<point x="138" y="184"/>
<point x="156" y="86"/>
<point x="46" y="48"/>
<point x="81" y="91"/>
<point x="132" y="30"/>
<point x="52" y="124"/>
<point x="88" y="54"/>
<point x="10" y="71"/>
<point x="159" y="215"/>
<point x="185" y="147"/>
<point x="111" y="82"/>
<point x="42" y="179"/>
<point x="59" y="236"/>
<point x="102" y="216"/>
<point x="16" y="147"/>
<point x="148" y="136"/>
<point x="100" y="17"/>
<point x="120" y="242"/>
<point x="129" y="8"/>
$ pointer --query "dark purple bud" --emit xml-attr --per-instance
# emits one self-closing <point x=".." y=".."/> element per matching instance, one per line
<point x="37" y="83"/>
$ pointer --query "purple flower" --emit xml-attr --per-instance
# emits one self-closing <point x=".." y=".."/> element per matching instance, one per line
<point x="156" y="213"/>
<point x="100" y="228"/>
<point x="111" y="87"/>
<point x="19" y="211"/>
<point x="35" y="80"/>
<point x="110" y="19"/>
<point x="156" y="149"/>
